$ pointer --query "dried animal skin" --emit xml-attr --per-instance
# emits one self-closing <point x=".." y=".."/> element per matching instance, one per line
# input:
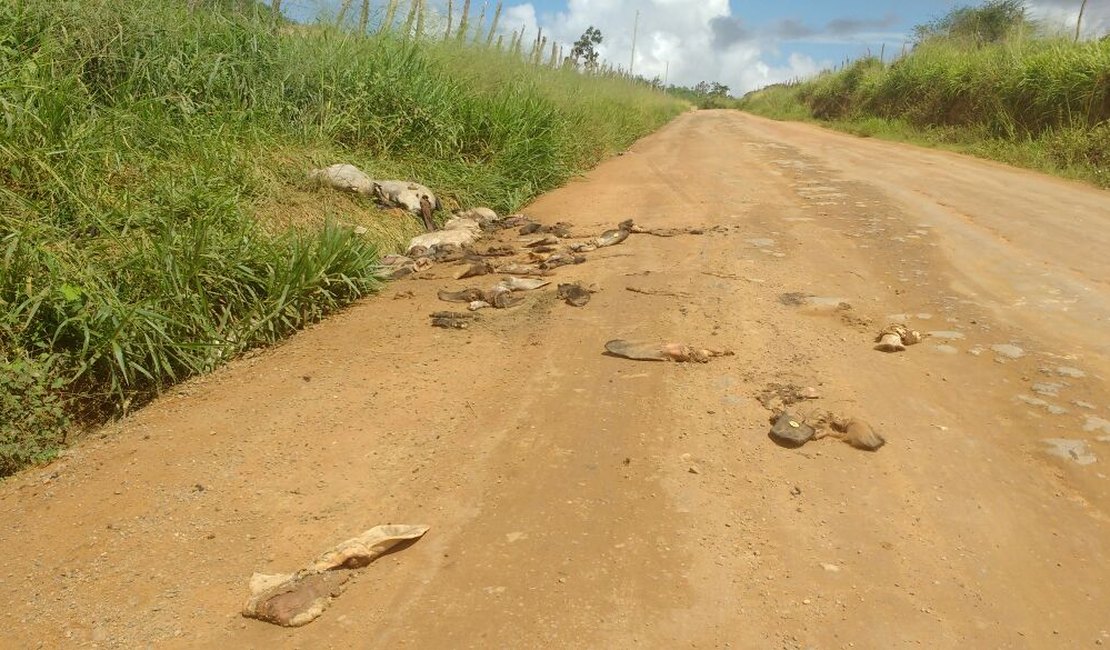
<point x="523" y="284"/>
<point x="521" y="269"/>
<point x="293" y="600"/>
<point x="344" y="177"/>
<point x="502" y="299"/>
<point x="678" y="352"/>
<point x="475" y="270"/>
<point x="856" y="433"/>
<point x="611" y="238"/>
<point x="895" y="338"/>
<point x="362" y="550"/>
<point x="478" y="214"/>
<point x="666" y="232"/>
<point x="456" y="232"/>
<point x="464" y="295"/>
<point x="405" y="194"/>
<point x="561" y="259"/>
<point x="545" y="241"/>
<point x="575" y="294"/>
<point x="497" y="251"/>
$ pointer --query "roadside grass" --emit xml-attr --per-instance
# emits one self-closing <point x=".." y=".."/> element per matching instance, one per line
<point x="155" y="217"/>
<point x="1040" y="103"/>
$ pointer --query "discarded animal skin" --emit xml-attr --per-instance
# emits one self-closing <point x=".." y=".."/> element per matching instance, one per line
<point x="344" y="177"/>
<point x="895" y="338"/>
<point x="465" y="295"/>
<point x="475" y="270"/>
<point x="514" y="221"/>
<point x="407" y="195"/>
<point x="611" y="238"/>
<point x="452" y="314"/>
<point x="458" y="231"/>
<point x="293" y="600"/>
<point x="502" y="298"/>
<point x="575" y="294"/>
<point x="478" y="214"/>
<point x="546" y="241"/>
<point x="448" y="253"/>
<point x="662" y="352"/>
<point x="857" y="433"/>
<point x="666" y="232"/>
<point x="497" y="251"/>
<point x="555" y="261"/>
<point x="395" y="267"/>
<point x="521" y="269"/>
<point x="452" y="320"/>
<point x="523" y="284"/>
<point x="560" y="230"/>
<point x="789" y="430"/>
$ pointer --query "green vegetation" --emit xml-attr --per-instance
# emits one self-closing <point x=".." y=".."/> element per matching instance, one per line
<point x="980" y="80"/>
<point x="705" y="95"/>
<point x="155" y="218"/>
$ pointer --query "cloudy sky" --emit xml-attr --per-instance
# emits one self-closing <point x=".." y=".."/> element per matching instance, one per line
<point x="745" y="44"/>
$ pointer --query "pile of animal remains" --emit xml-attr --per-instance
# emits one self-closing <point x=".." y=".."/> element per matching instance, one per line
<point x="540" y="249"/>
<point x="525" y="265"/>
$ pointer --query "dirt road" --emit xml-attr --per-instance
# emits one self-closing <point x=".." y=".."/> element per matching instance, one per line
<point x="578" y="500"/>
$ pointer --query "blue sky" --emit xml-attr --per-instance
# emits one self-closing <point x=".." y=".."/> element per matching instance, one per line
<point x="744" y="44"/>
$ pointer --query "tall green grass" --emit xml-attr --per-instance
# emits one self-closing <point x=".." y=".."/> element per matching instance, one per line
<point x="153" y="219"/>
<point x="1040" y="102"/>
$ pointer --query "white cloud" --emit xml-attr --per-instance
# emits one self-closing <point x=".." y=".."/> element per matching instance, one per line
<point x="516" y="17"/>
<point x="1062" y="15"/>
<point x="676" y="40"/>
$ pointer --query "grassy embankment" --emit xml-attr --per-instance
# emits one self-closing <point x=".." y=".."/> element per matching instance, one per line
<point x="1042" y="103"/>
<point x="155" y="220"/>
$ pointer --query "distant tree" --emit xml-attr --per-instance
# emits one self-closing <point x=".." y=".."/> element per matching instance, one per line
<point x="585" y="48"/>
<point x="710" y="94"/>
<point x="711" y="90"/>
<point x="991" y="22"/>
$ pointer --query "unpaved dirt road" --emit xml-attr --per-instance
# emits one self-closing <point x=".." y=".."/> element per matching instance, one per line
<point x="578" y="500"/>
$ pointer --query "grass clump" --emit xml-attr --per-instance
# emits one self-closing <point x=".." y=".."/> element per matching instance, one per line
<point x="155" y="220"/>
<point x="979" y="80"/>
